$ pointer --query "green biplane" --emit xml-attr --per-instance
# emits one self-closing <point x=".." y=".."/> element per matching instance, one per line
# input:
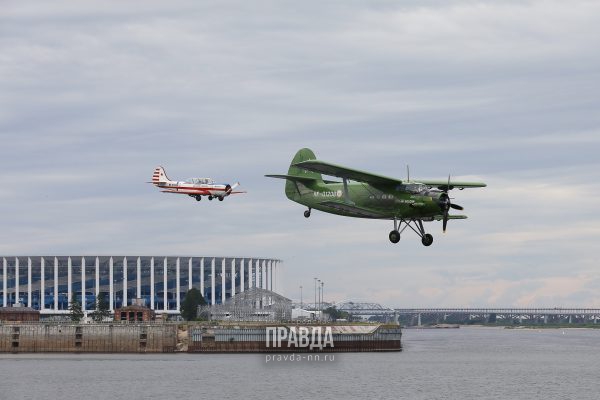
<point x="361" y="194"/>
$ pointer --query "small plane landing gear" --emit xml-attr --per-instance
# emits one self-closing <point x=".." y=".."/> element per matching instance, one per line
<point x="427" y="239"/>
<point x="210" y="197"/>
<point x="307" y="213"/>
<point x="220" y="198"/>
<point x="394" y="236"/>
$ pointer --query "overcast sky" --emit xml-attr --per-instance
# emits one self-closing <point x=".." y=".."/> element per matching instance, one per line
<point x="95" y="94"/>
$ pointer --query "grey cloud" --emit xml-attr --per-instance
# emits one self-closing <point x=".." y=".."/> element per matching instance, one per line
<point x="96" y="94"/>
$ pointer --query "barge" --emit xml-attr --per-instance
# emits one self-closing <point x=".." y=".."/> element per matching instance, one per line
<point x="293" y="338"/>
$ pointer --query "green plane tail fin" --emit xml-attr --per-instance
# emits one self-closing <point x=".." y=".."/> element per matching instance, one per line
<point x="303" y="181"/>
<point x="304" y="155"/>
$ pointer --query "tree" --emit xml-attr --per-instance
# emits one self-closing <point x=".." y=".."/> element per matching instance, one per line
<point x="102" y="309"/>
<point x="76" y="310"/>
<point x="189" y="308"/>
<point x="336" y="314"/>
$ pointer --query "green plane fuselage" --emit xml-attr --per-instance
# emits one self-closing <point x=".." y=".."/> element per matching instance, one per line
<point x="366" y="201"/>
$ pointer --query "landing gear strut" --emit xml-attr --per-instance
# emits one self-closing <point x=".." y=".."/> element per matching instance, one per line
<point x="307" y="213"/>
<point x="416" y="225"/>
<point x="395" y="235"/>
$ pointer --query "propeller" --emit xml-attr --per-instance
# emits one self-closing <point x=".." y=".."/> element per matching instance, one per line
<point x="446" y="205"/>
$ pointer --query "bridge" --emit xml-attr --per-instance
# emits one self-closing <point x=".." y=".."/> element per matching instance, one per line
<point x="415" y="316"/>
<point x="521" y="315"/>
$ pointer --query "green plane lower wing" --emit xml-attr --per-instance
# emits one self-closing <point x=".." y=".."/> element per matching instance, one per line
<point x="352" y="209"/>
<point x="441" y="217"/>
<point x="367" y="213"/>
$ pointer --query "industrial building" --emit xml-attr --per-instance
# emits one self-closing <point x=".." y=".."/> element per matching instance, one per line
<point x="47" y="283"/>
<point x="254" y="304"/>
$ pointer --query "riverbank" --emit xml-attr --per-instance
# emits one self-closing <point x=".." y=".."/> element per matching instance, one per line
<point x="196" y="338"/>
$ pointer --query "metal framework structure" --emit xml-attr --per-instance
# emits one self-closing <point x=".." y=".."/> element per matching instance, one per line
<point x="503" y="311"/>
<point x="364" y="309"/>
<point x="523" y="314"/>
<point x="254" y="304"/>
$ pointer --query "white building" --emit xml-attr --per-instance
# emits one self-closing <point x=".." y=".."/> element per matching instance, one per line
<point x="47" y="283"/>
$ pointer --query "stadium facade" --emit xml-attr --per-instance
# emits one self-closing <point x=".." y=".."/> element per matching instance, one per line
<point x="47" y="283"/>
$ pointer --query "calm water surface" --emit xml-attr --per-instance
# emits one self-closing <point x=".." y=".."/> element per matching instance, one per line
<point x="465" y="363"/>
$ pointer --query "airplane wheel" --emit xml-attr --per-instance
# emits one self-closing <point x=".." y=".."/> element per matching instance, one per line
<point x="198" y="198"/>
<point x="210" y="197"/>
<point x="394" y="236"/>
<point x="427" y="239"/>
<point x="306" y="213"/>
<point x="220" y="198"/>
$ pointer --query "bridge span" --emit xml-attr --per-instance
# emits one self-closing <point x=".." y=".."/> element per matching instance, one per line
<point x="491" y="315"/>
<point x="416" y="316"/>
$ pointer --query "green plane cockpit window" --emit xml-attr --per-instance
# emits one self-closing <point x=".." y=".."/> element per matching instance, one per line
<point x="414" y="188"/>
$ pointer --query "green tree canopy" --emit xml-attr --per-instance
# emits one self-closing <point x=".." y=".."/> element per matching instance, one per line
<point x="189" y="308"/>
<point x="76" y="311"/>
<point x="336" y="314"/>
<point x="102" y="309"/>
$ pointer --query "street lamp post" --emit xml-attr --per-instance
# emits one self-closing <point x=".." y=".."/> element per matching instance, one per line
<point x="322" y="294"/>
<point x="318" y="305"/>
<point x="315" y="303"/>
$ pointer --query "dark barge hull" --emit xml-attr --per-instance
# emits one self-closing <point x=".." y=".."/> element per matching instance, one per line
<point x="253" y="339"/>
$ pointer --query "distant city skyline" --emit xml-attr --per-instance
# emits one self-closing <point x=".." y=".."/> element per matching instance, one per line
<point x="96" y="95"/>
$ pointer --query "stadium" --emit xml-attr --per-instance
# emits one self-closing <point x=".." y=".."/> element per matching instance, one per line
<point x="47" y="283"/>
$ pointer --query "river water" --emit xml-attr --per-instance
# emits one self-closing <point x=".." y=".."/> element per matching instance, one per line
<point x="465" y="363"/>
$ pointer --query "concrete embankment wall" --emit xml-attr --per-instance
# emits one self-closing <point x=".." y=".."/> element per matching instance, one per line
<point x="92" y="338"/>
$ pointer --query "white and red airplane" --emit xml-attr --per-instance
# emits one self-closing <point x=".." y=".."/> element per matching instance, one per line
<point x="193" y="187"/>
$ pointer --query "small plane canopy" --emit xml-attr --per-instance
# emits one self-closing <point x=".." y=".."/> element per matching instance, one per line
<point x="200" y="181"/>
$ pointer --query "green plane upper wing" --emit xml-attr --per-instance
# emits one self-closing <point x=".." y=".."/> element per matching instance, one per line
<point x="326" y="168"/>
<point x="345" y="172"/>
<point x="442" y="184"/>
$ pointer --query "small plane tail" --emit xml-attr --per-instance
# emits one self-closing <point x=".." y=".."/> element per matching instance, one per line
<point x="159" y="176"/>
<point x="229" y="189"/>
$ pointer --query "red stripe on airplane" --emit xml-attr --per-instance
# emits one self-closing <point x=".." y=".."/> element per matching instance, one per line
<point x="191" y="190"/>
